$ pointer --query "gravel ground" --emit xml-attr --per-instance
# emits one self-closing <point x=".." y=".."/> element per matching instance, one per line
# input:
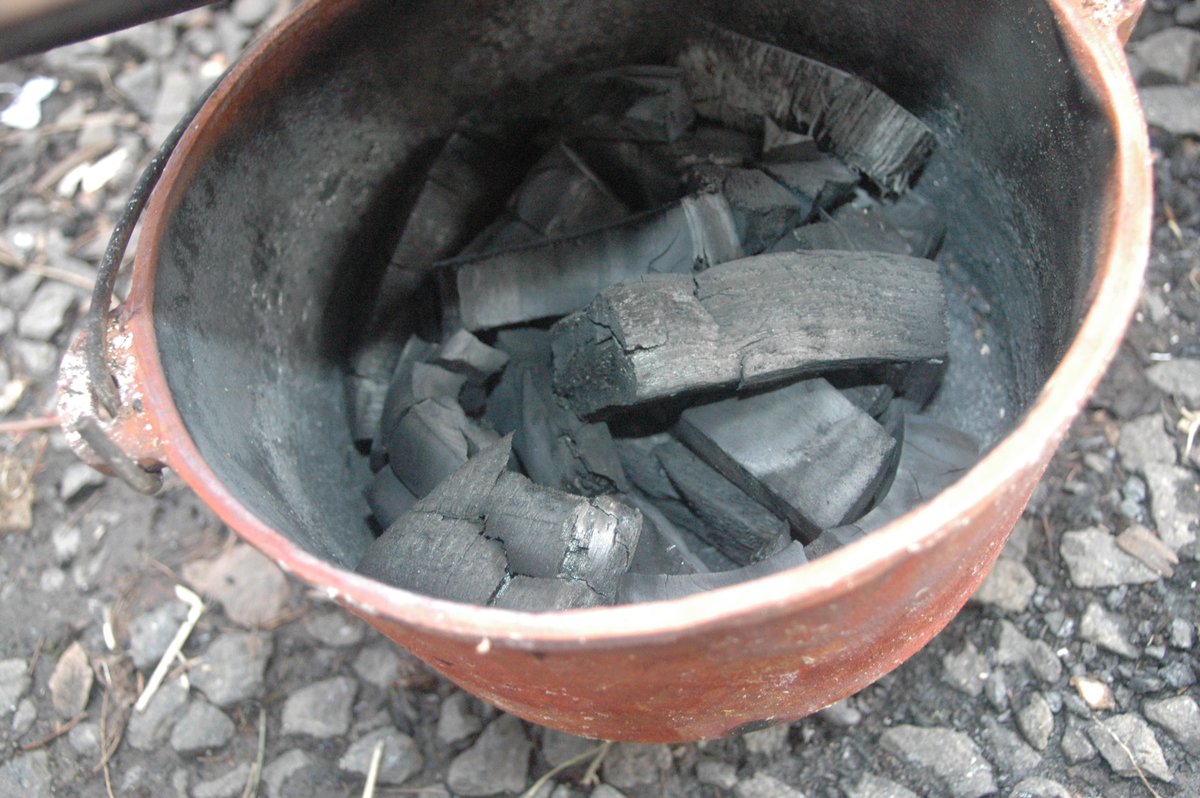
<point x="1072" y="673"/>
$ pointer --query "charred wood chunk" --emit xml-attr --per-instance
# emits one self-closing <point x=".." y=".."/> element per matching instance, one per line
<point x="831" y="540"/>
<point x="932" y="457"/>
<point x="918" y="381"/>
<point x="640" y="176"/>
<point x="849" y="228"/>
<point x="412" y="380"/>
<point x="823" y="182"/>
<point x="684" y="533"/>
<point x="919" y="221"/>
<point x="636" y="587"/>
<point x="798" y="313"/>
<point x="463" y="353"/>
<point x="564" y="274"/>
<point x="638" y="342"/>
<point x="446" y="558"/>
<point x="388" y="498"/>
<point x="763" y="210"/>
<point x="467" y="184"/>
<point x="558" y="449"/>
<point x="541" y="594"/>
<point x="367" y="396"/>
<point x="432" y="441"/>
<point x="803" y="451"/>
<point x="871" y="399"/>
<point x="786" y="145"/>
<point x="657" y="554"/>
<point x="467" y="493"/>
<point x="738" y="81"/>
<point x="736" y="525"/>
<point x="528" y="350"/>
<point x="561" y="195"/>
<point x="635" y="103"/>
<point x="712" y="145"/>
<point x="759" y="320"/>
<point x="548" y="533"/>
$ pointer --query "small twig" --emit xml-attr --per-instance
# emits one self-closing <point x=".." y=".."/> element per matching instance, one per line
<point x="373" y="771"/>
<point x="35" y="424"/>
<point x="1189" y="424"/>
<point x="256" y="771"/>
<point x="1172" y="223"/>
<point x="59" y="731"/>
<point x="37" y="654"/>
<point x="1132" y="759"/>
<point x="195" y="610"/>
<point x="106" y="753"/>
<point x="52" y="176"/>
<point x="560" y="767"/>
<point x="590" y="777"/>
<point x="61" y="275"/>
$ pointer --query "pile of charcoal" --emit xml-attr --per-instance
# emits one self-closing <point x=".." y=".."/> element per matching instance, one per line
<point x="686" y="320"/>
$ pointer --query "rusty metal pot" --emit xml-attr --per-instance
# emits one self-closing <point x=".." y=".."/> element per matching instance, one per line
<point x="277" y="208"/>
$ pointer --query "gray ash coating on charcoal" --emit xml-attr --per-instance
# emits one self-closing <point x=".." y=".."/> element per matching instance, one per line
<point x="685" y="331"/>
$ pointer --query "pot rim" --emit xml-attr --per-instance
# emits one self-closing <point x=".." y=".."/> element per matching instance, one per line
<point x="1121" y="255"/>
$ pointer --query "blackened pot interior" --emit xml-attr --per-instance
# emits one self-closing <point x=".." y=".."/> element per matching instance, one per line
<point x="270" y="258"/>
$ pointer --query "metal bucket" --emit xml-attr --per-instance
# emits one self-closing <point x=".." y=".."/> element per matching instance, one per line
<point x="277" y="211"/>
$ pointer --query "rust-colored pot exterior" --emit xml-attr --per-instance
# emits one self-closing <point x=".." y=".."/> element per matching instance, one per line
<point x="770" y="650"/>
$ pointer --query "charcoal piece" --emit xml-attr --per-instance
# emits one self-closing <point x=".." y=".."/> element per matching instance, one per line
<point x="831" y="540"/>
<point x="656" y="553"/>
<point x="865" y="229"/>
<point x="463" y="353"/>
<point x="549" y="533"/>
<point x="917" y="381"/>
<point x="640" y="176"/>
<point x="564" y="274"/>
<point x="803" y="451"/>
<point x="681" y="529"/>
<point x="636" y="587"/>
<point x="558" y="449"/>
<point x="540" y="594"/>
<point x="468" y="181"/>
<point x="367" y="396"/>
<point x="932" y="457"/>
<point x="637" y="342"/>
<point x="505" y="232"/>
<point x="739" y="81"/>
<point x="412" y="380"/>
<point x="437" y="547"/>
<point x="528" y="350"/>
<point x="712" y="145"/>
<point x="561" y="195"/>
<point x="372" y="393"/>
<point x="763" y="210"/>
<point x="676" y="525"/>
<point x="786" y="145"/>
<point x="388" y="498"/>
<point x="736" y="525"/>
<point x="871" y="399"/>
<point x="467" y="493"/>
<point x="466" y="185"/>
<point x="643" y="468"/>
<point x="919" y="222"/>
<point x="823" y="182"/>
<point x="759" y="320"/>
<point x="431" y="441"/>
<point x="635" y="103"/>
<point x="445" y="558"/>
